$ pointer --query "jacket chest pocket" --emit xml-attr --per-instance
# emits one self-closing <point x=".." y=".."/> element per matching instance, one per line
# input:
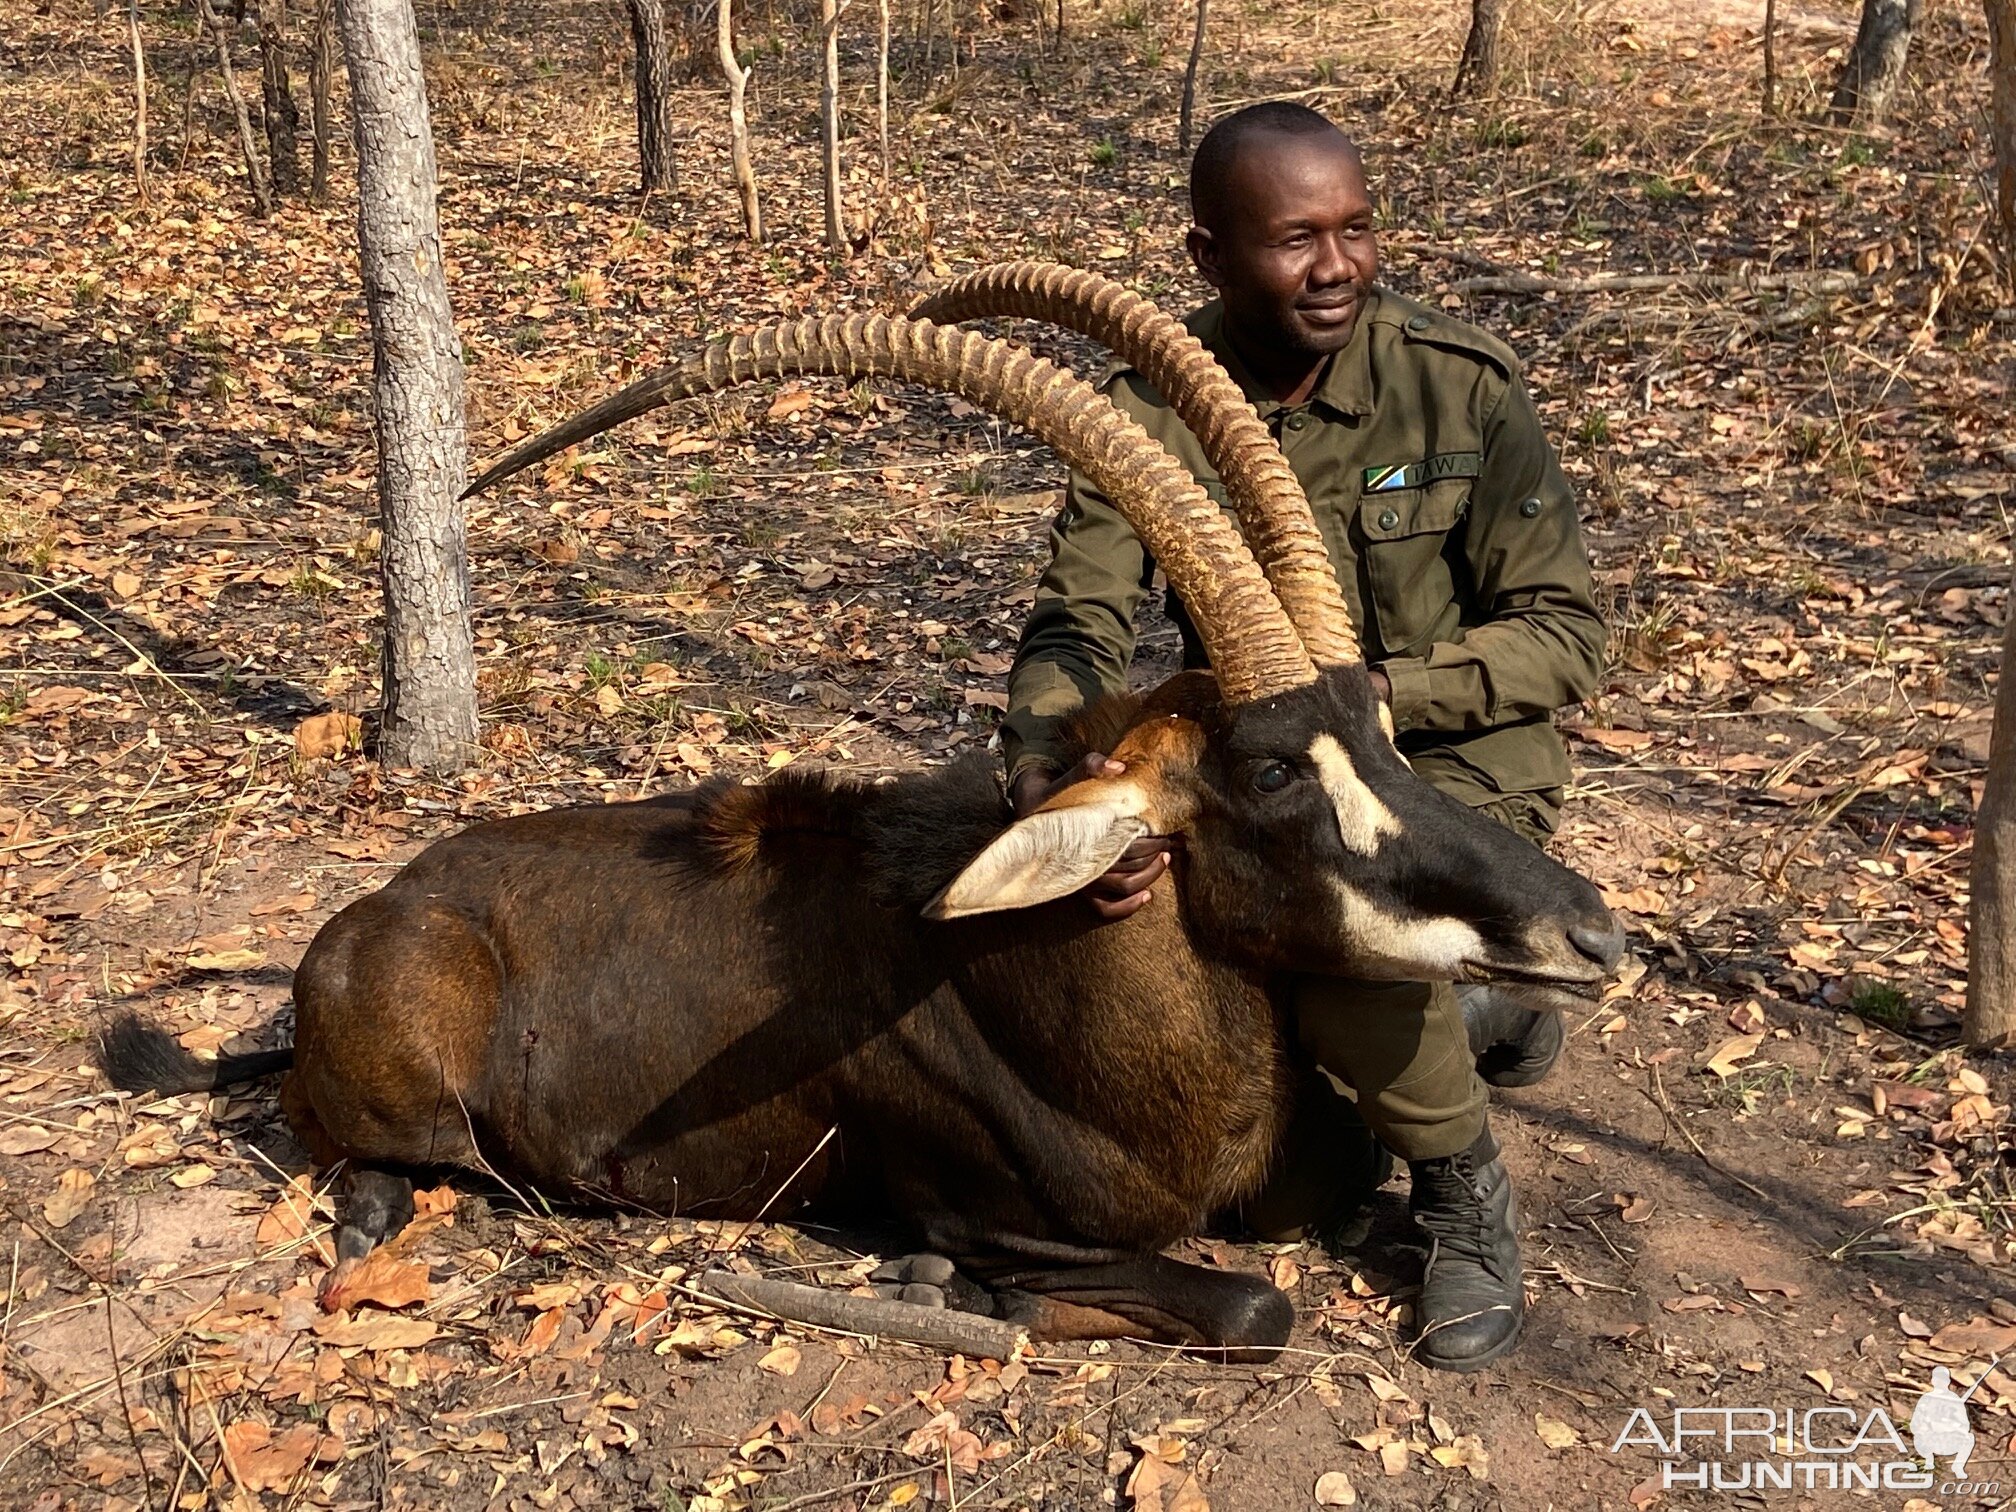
<point x="1408" y="576"/>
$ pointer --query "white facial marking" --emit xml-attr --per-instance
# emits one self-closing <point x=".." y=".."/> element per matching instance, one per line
<point x="1386" y="945"/>
<point x="1362" y="819"/>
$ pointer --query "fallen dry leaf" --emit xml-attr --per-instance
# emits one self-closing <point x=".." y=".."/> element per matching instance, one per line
<point x="942" y="1440"/>
<point x="1767" y="1284"/>
<point x="381" y="1277"/>
<point x="296" y="903"/>
<point x="321" y="736"/>
<point x="1158" y="1486"/>
<point x="265" y="1461"/>
<point x="27" y="1139"/>
<point x="789" y="401"/>
<point x="1554" y="1433"/>
<point x="1699" y="1302"/>
<point x="224" y="960"/>
<point x="1648" y="901"/>
<point x="1612" y="740"/>
<point x="1725" y="1057"/>
<point x="1747" y="1018"/>
<point x="1334" y="1489"/>
<point x="1468" y="1452"/>
<point x="73" y="1191"/>
<point x="375" y="1332"/>
<point x="782" y="1360"/>
<point x="1977" y="1336"/>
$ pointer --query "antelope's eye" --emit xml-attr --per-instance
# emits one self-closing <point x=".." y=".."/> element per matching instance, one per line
<point x="1272" y="777"/>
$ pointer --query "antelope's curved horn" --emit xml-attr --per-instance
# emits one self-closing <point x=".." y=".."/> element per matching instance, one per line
<point x="1254" y="650"/>
<point x="1262" y="486"/>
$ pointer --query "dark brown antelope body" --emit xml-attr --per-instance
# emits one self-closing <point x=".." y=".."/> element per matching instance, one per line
<point x="747" y="999"/>
<point x="685" y="995"/>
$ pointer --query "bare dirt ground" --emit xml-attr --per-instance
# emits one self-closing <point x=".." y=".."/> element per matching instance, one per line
<point x="1762" y="1176"/>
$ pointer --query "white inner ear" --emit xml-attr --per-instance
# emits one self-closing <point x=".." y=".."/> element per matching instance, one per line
<point x="1044" y="856"/>
<point x="1362" y="818"/>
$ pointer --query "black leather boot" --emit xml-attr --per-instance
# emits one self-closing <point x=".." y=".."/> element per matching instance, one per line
<point x="1515" y="1046"/>
<point x="1472" y="1299"/>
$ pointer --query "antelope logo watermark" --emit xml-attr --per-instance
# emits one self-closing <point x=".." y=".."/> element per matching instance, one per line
<point x="1831" y="1448"/>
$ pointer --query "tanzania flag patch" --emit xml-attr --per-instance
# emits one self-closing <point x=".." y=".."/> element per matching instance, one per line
<point x="1418" y="474"/>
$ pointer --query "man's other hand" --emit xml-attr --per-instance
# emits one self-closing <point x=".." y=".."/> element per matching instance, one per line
<point x="1125" y="889"/>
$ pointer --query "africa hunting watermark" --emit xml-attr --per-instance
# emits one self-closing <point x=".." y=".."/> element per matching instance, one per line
<point x="1830" y="1448"/>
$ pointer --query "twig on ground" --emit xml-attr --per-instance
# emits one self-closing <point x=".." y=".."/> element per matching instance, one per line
<point x="877" y="1317"/>
<point x="145" y="660"/>
<point x="1665" y="1106"/>
<point x="1495" y="278"/>
<point x="126" y="1406"/>
<point x="813" y="1498"/>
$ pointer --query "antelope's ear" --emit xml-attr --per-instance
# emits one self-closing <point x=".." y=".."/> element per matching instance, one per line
<point x="1053" y="852"/>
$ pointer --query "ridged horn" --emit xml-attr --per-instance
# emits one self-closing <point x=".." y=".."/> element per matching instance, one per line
<point x="1254" y="650"/>
<point x="1263" y="488"/>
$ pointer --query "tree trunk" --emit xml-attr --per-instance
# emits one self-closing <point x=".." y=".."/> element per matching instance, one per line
<point x="829" y="126"/>
<point x="655" y="131"/>
<point x="2002" y="68"/>
<point x="139" y="100"/>
<point x="262" y="191"/>
<point x="1187" y="114"/>
<point x="738" y="122"/>
<point x="429" y="662"/>
<point x="321" y="63"/>
<point x="283" y="121"/>
<point x="1991" y="936"/>
<point x="1875" y="64"/>
<point x="1770" y="60"/>
<point x="1477" y="70"/>
<point x="882" y="84"/>
<point x="1991" y="923"/>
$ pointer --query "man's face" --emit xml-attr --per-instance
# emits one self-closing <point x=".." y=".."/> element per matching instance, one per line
<point x="1295" y="257"/>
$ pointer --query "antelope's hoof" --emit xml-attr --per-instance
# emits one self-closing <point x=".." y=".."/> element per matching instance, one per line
<point x="928" y="1280"/>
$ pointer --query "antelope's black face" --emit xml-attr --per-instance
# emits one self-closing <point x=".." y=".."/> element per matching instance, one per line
<point x="1311" y="847"/>
<point x="1317" y="849"/>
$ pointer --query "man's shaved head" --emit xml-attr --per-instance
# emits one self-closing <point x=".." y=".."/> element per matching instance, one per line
<point x="1212" y="169"/>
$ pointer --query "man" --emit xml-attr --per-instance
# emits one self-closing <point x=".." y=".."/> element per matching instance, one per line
<point x="1455" y="537"/>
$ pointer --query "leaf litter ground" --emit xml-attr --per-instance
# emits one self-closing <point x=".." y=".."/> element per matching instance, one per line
<point x="1762" y="1176"/>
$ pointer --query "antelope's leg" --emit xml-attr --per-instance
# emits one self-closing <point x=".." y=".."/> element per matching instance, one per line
<point x="1221" y="1314"/>
<point x="377" y="1203"/>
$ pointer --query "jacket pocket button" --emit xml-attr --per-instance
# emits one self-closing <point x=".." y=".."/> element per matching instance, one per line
<point x="1530" y="509"/>
<point x="1388" y="519"/>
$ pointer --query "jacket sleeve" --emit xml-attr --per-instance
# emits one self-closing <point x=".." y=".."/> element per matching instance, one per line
<point x="1080" y="635"/>
<point x="1538" y="640"/>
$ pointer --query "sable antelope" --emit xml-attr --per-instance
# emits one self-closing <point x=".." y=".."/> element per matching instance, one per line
<point x="679" y="1001"/>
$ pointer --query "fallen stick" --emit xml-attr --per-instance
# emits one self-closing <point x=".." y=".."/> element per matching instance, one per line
<point x="1820" y="282"/>
<point x="934" y="1328"/>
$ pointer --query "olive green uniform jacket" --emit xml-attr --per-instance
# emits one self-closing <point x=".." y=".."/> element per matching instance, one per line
<point x="1454" y="534"/>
